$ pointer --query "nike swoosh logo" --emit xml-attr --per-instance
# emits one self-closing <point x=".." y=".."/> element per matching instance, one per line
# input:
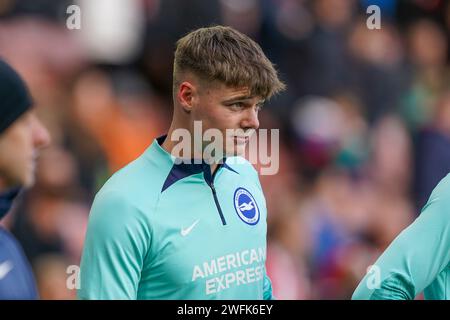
<point x="185" y="232"/>
<point x="5" y="268"/>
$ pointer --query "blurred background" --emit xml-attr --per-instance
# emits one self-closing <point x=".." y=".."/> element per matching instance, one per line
<point x="364" y="124"/>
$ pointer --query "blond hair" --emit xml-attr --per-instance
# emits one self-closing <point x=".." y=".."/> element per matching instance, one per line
<point x="223" y="54"/>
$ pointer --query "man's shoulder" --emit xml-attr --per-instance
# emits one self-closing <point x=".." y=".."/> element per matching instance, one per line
<point x="439" y="200"/>
<point x="7" y="241"/>
<point x="139" y="181"/>
<point x="442" y="188"/>
<point x="242" y="166"/>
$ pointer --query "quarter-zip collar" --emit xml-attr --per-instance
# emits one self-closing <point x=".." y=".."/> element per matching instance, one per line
<point x="181" y="170"/>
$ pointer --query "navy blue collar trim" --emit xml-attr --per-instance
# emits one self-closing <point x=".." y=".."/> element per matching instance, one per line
<point x="183" y="170"/>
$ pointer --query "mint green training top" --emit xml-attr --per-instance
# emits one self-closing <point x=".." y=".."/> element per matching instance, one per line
<point x="163" y="230"/>
<point x="418" y="260"/>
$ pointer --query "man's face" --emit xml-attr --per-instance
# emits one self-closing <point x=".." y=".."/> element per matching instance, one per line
<point x="220" y="107"/>
<point x="19" y="146"/>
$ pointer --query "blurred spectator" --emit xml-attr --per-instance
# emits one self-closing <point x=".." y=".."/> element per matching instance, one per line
<point x="122" y="123"/>
<point x="391" y="160"/>
<point x="432" y="161"/>
<point x="377" y="72"/>
<point x="428" y="50"/>
<point x="51" y="278"/>
<point x="114" y="36"/>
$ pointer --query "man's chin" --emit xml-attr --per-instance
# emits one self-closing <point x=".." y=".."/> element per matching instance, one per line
<point x="238" y="151"/>
<point x="23" y="177"/>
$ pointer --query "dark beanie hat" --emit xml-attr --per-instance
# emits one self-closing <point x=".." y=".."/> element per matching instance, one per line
<point x="15" y="99"/>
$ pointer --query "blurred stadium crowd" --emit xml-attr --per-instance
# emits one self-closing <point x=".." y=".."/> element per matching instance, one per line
<point x="364" y="124"/>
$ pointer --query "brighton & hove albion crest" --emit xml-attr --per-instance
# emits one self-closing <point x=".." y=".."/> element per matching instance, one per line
<point x="246" y="207"/>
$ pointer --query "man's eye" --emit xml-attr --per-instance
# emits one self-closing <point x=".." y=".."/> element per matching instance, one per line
<point x="259" y="107"/>
<point x="237" y="105"/>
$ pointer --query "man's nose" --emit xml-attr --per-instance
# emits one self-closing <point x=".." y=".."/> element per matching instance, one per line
<point x="250" y="120"/>
<point x="41" y="136"/>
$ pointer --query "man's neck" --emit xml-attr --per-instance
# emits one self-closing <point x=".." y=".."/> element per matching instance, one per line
<point x="168" y="145"/>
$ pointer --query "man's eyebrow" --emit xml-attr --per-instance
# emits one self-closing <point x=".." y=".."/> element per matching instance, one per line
<point x="242" y="98"/>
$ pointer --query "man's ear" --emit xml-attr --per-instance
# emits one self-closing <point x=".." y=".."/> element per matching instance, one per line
<point x="187" y="94"/>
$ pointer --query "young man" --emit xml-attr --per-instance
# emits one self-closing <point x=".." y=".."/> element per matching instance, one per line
<point x="418" y="260"/>
<point x="179" y="225"/>
<point x="21" y="137"/>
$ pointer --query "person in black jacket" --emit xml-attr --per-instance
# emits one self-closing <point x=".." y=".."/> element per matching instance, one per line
<point x="21" y="137"/>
